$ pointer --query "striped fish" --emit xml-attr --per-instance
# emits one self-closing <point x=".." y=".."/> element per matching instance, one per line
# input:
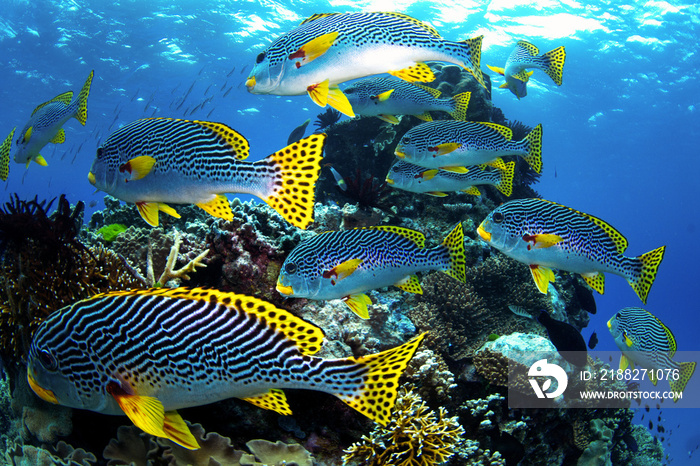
<point x="45" y="125"/>
<point x="156" y="161"/>
<point x="345" y="264"/>
<point x="645" y="340"/>
<point x="147" y="353"/>
<point x="524" y="56"/>
<point x="451" y="144"/>
<point x="417" y="179"/>
<point x="543" y="234"/>
<point x="386" y="97"/>
<point x="328" y="49"/>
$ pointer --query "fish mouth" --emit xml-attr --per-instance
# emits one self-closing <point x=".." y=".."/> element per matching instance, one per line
<point x="389" y="180"/>
<point x="399" y="154"/>
<point x="610" y="324"/>
<point x="250" y="83"/>
<point x="485" y="235"/>
<point x="284" y="290"/>
<point x="44" y="394"/>
<point x="91" y="178"/>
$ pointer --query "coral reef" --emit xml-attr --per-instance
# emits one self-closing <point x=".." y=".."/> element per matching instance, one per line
<point x="326" y="119"/>
<point x="19" y="454"/>
<point x="132" y="446"/>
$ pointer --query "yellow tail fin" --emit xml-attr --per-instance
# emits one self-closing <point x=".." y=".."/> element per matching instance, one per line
<point x="294" y="171"/>
<point x="454" y="242"/>
<point x="5" y="155"/>
<point x="554" y="64"/>
<point x="534" y="148"/>
<point x="376" y="395"/>
<point x="505" y="186"/>
<point x="650" y="265"/>
<point x="461" y="103"/>
<point x="81" y="116"/>
<point x="686" y="372"/>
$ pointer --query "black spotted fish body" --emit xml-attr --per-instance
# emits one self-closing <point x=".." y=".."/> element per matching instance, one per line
<point x="543" y="234"/>
<point x="644" y="340"/>
<point x="387" y="97"/>
<point x="526" y="56"/>
<point x="328" y="49"/>
<point x="417" y="179"/>
<point x="147" y="353"/>
<point x="344" y="264"/>
<point x="154" y="162"/>
<point x="447" y="144"/>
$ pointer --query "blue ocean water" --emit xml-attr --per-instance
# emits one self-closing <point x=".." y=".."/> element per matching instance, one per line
<point x="620" y="134"/>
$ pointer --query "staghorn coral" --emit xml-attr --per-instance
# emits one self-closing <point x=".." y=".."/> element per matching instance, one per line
<point x="416" y="436"/>
<point x="169" y="271"/>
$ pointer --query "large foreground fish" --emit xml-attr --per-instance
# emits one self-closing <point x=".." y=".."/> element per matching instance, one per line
<point x="147" y="353"/>
<point x="645" y="340"/>
<point x="525" y="56"/>
<point x="543" y="234"/>
<point x="46" y="126"/>
<point x="328" y="49"/>
<point x="344" y="264"/>
<point x="157" y="161"/>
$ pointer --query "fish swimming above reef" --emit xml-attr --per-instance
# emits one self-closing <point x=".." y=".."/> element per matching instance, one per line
<point x="344" y="264"/>
<point x="593" y="340"/>
<point x="156" y="161"/>
<point x="387" y="97"/>
<point x="544" y="234"/>
<point x="417" y="179"/>
<point x="330" y="48"/>
<point x="525" y="56"/>
<point x="46" y="125"/>
<point x="566" y="339"/>
<point x="452" y="144"/>
<point x="147" y="353"/>
<point x="644" y="340"/>
<point x="298" y="132"/>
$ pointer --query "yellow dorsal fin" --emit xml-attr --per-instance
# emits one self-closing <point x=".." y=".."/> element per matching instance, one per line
<point x="434" y="92"/>
<point x="473" y="190"/>
<point x="64" y="98"/>
<point x="447" y="147"/>
<point x="384" y="95"/>
<point x="389" y="119"/>
<point x="410" y="284"/>
<point x="176" y="429"/>
<point x="542" y="277"/>
<point x="497" y="69"/>
<point x="166" y="209"/>
<point x="313" y="49"/>
<point x="138" y="167"/>
<point x="81" y="114"/>
<point x="343" y="270"/>
<point x="455" y="169"/>
<point x="502" y="130"/>
<point x="431" y="30"/>
<point x="149" y="212"/>
<point x="595" y="280"/>
<point x="417" y="72"/>
<point x="672" y="346"/>
<point x="337" y="99"/>
<point x="60" y="137"/>
<point x="235" y="140"/>
<point x="415" y="236"/>
<point x="531" y="49"/>
<point x="218" y="207"/>
<point x="317" y="16"/>
<point x="274" y="400"/>
<point x="358" y="304"/>
<point x="429" y="174"/>
<point x="5" y="155"/>
<point x="41" y="160"/>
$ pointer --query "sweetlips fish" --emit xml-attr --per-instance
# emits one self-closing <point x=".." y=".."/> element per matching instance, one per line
<point x="417" y="179"/>
<point x="525" y="56"/>
<point x="147" y="353"/>
<point x="344" y="264"/>
<point x="330" y="48"/>
<point x="387" y="97"/>
<point x="46" y="126"/>
<point x="156" y="161"/>
<point x="544" y="234"/>
<point x="452" y="144"/>
<point x="645" y="340"/>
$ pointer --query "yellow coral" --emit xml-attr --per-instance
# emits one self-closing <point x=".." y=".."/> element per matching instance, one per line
<point x="416" y="436"/>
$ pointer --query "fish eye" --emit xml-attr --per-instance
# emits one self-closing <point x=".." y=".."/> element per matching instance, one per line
<point x="99" y="152"/>
<point x="261" y="57"/>
<point x="47" y="360"/>
<point x="497" y="217"/>
<point x="406" y="139"/>
<point x="290" y="267"/>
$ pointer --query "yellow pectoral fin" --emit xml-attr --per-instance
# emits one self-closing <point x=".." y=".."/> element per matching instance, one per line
<point x="473" y="190"/>
<point x="218" y="207"/>
<point x="339" y="101"/>
<point x="542" y="277"/>
<point x="175" y="429"/>
<point x="447" y="147"/>
<point x="138" y="167"/>
<point x="429" y="174"/>
<point x="274" y="400"/>
<point x="595" y="280"/>
<point x="497" y="69"/>
<point x="60" y="137"/>
<point x="40" y="160"/>
<point x="410" y="284"/>
<point x="149" y="212"/>
<point x="319" y="93"/>
<point x="628" y="341"/>
<point x="455" y="169"/>
<point x="384" y="95"/>
<point x="344" y="269"/>
<point x="314" y="48"/>
<point x="418" y="72"/>
<point x="28" y="134"/>
<point x="545" y="240"/>
<point x="389" y="119"/>
<point x="358" y="304"/>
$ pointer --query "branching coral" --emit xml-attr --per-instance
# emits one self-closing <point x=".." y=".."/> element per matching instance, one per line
<point x="169" y="272"/>
<point x="416" y="436"/>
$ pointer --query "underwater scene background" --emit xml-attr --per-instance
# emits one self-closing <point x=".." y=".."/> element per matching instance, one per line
<point x="619" y="142"/>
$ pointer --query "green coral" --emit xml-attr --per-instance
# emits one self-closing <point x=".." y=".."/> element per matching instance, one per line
<point x="110" y="232"/>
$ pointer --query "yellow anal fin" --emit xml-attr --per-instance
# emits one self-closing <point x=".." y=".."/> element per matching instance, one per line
<point x="445" y="148"/>
<point x="542" y="277"/>
<point x="473" y="190"/>
<point x="64" y="98"/>
<point x="497" y="69"/>
<point x="389" y="119"/>
<point x="417" y="72"/>
<point x="426" y="116"/>
<point x="218" y="207"/>
<point x="376" y="395"/>
<point x="166" y="209"/>
<point x="686" y="370"/>
<point x="176" y="430"/>
<point x="138" y="167"/>
<point x="460" y="170"/>
<point x="60" y="137"/>
<point x="383" y="96"/>
<point x="338" y="100"/>
<point x="313" y="49"/>
<point x="358" y="304"/>
<point x="343" y="270"/>
<point x="595" y="280"/>
<point x="410" y="284"/>
<point x="40" y="160"/>
<point x="5" y="155"/>
<point x="274" y="400"/>
<point x="436" y="193"/>
<point x="81" y="115"/>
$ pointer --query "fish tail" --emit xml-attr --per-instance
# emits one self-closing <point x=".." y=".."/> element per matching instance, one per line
<point x="461" y="102"/>
<point x="377" y="388"/>
<point x="5" y="155"/>
<point x="642" y="280"/>
<point x="293" y="172"/>
<point x="454" y="243"/>
<point x="472" y="49"/>
<point x="505" y="185"/>
<point x="552" y="63"/>
<point x="686" y="371"/>
<point x="533" y="142"/>
<point x="81" y="114"/>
